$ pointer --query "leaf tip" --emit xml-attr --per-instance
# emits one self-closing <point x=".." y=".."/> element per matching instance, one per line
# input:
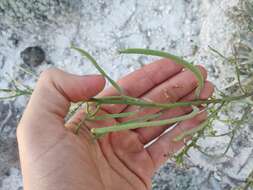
<point x="120" y="51"/>
<point x="95" y="134"/>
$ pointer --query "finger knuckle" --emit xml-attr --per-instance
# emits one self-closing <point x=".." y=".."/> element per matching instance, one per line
<point x="48" y="73"/>
<point x="203" y="70"/>
<point x="47" y="76"/>
<point x="209" y="85"/>
<point x="201" y="117"/>
<point x="207" y="91"/>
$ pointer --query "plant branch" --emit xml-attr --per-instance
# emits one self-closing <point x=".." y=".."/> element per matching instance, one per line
<point x="93" y="61"/>
<point x="195" y="70"/>
<point x="97" y="132"/>
<point x="143" y="103"/>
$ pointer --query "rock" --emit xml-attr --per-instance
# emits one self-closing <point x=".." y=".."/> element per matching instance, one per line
<point x="33" y="56"/>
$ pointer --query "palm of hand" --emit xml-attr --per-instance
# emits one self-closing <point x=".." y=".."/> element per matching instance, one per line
<point x="51" y="154"/>
<point x="117" y="161"/>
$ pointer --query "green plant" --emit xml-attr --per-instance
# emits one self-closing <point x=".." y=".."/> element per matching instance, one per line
<point x="123" y="99"/>
<point x="242" y="86"/>
<point x="214" y="105"/>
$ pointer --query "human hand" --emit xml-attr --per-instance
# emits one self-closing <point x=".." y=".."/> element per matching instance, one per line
<point x="53" y="157"/>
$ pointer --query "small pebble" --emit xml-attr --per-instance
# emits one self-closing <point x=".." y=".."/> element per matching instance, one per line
<point x="33" y="56"/>
<point x="14" y="38"/>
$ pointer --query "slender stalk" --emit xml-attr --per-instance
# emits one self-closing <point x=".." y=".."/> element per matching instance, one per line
<point x="142" y="103"/>
<point x="201" y="127"/>
<point x="239" y="78"/>
<point x="27" y="71"/>
<point x="195" y="70"/>
<point x="109" y="116"/>
<point x="217" y="156"/>
<point x="144" y="118"/>
<point x="15" y="93"/>
<point x="74" y="110"/>
<point x="80" y="124"/>
<point x="191" y="132"/>
<point x="93" y="61"/>
<point x="91" y="113"/>
<point x="97" y="132"/>
<point x="218" y="53"/>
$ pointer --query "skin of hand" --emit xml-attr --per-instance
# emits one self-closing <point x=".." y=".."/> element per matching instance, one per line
<point x="53" y="157"/>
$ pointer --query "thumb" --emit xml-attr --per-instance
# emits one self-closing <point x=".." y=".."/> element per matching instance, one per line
<point x="54" y="92"/>
<point x="56" y="89"/>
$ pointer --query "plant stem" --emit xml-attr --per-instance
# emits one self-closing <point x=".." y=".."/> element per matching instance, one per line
<point x="142" y="103"/>
<point x="93" y="61"/>
<point x="201" y="127"/>
<point x="191" y="132"/>
<point x="144" y="118"/>
<point x="16" y="92"/>
<point x="97" y="132"/>
<point x="195" y="70"/>
<point x="109" y="116"/>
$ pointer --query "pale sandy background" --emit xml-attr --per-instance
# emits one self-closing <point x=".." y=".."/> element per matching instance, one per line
<point x="184" y="27"/>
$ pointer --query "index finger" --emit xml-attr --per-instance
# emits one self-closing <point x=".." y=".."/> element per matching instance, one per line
<point x="142" y="80"/>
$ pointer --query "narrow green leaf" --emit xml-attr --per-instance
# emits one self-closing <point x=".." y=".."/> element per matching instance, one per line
<point x="174" y="58"/>
<point x="8" y="97"/>
<point x="14" y="93"/>
<point x="191" y="132"/>
<point x="5" y="90"/>
<point x="119" y="127"/>
<point x="28" y="71"/>
<point x="144" y="118"/>
<point x="217" y="52"/>
<point x="238" y="76"/>
<point x="108" y="116"/>
<point x="124" y="100"/>
<point x="102" y="72"/>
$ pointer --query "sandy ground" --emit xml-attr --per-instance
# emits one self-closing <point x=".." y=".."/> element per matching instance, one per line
<point x="101" y="27"/>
